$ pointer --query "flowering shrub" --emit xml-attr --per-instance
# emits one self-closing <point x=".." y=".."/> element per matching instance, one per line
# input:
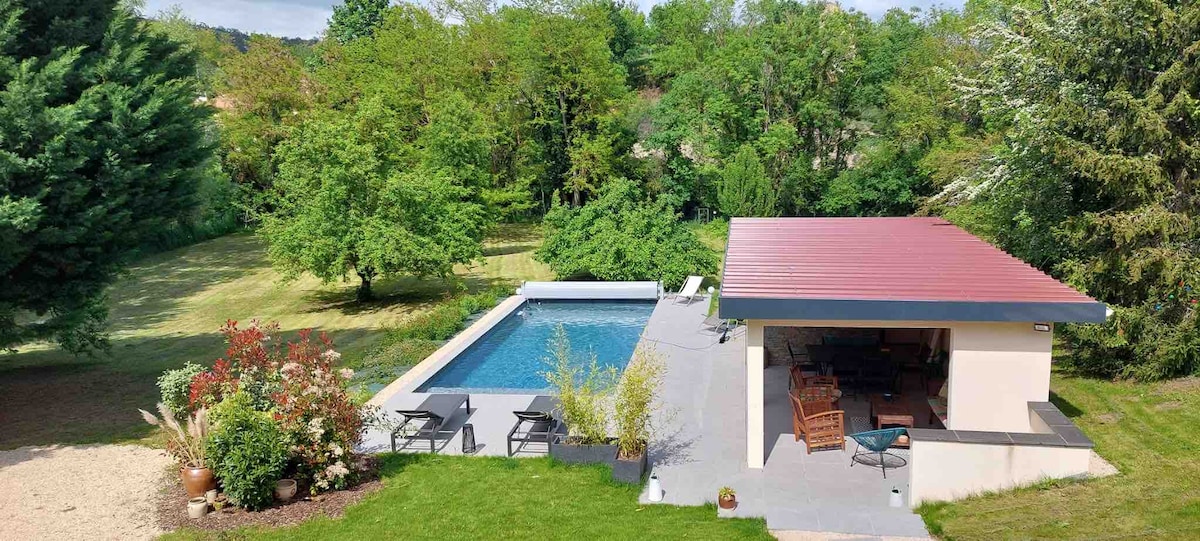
<point x="316" y="412"/>
<point x="300" y="391"/>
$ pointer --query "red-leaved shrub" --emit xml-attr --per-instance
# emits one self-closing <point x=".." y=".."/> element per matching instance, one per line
<point x="299" y="384"/>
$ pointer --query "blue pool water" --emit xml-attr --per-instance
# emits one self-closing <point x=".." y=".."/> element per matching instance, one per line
<point x="511" y="357"/>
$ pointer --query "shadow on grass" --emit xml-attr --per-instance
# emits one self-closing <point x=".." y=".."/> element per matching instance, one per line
<point x="1065" y="406"/>
<point x="407" y="290"/>
<point x="522" y="233"/>
<point x="157" y="285"/>
<point x="50" y="397"/>
<point x="508" y="249"/>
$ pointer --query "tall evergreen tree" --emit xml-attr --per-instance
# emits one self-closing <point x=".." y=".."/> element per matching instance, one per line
<point x="100" y="142"/>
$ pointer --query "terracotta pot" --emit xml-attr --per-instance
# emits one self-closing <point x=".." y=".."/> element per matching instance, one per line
<point x="727" y="502"/>
<point x="285" y="489"/>
<point x="197" y="481"/>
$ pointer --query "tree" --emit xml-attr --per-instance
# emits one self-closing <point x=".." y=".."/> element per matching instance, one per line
<point x="101" y="143"/>
<point x="1096" y="180"/>
<point x="266" y="89"/>
<point x="210" y="46"/>
<point x="745" y="189"/>
<point x="618" y="236"/>
<point x="356" y="19"/>
<point x="346" y="207"/>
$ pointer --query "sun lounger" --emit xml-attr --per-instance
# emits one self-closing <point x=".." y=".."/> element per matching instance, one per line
<point x="434" y="411"/>
<point x="690" y="289"/>
<point x="536" y="424"/>
<point x="716" y="323"/>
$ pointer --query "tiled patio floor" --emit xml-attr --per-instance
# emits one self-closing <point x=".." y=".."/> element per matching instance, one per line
<point x="701" y="443"/>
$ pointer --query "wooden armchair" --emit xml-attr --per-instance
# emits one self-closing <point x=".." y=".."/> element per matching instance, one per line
<point x="817" y="388"/>
<point x="819" y="380"/>
<point x="822" y="426"/>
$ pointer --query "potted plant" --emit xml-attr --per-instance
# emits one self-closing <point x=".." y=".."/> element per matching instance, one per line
<point x="582" y="392"/>
<point x="188" y="448"/>
<point x="726" y="498"/>
<point x="634" y="407"/>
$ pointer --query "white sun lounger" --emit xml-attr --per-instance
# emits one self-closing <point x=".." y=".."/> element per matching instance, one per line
<point x="690" y="288"/>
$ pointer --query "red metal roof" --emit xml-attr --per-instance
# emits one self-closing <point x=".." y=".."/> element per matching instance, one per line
<point x="882" y="259"/>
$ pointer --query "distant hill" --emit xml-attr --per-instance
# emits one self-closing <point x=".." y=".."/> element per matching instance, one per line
<point x="240" y="39"/>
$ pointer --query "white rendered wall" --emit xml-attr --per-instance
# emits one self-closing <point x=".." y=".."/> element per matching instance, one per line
<point x="996" y="370"/>
<point x="755" y="365"/>
<point x="951" y="470"/>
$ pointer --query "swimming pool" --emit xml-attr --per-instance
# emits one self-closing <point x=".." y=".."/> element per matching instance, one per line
<point x="511" y="357"/>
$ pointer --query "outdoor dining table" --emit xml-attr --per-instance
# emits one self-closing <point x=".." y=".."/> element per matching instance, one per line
<point x="853" y="364"/>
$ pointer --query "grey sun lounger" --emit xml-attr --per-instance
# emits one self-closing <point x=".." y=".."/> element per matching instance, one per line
<point x="543" y="426"/>
<point x="434" y="411"/>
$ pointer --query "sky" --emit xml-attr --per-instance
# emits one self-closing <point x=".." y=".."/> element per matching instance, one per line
<point x="307" y="18"/>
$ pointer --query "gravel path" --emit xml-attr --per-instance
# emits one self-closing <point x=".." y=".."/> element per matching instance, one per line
<point x="80" y="492"/>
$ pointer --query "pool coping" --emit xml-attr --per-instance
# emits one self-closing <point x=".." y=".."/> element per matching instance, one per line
<point x="422" y="371"/>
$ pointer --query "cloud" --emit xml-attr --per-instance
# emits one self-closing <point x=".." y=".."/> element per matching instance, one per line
<point x="288" y="18"/>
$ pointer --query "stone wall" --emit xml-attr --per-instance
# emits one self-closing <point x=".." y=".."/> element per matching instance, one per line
<point x="776" y="339"/>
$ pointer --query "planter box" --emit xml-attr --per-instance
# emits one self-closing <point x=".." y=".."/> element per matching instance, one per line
<point x="629" y="471"/>
<point x="584" y="454"/>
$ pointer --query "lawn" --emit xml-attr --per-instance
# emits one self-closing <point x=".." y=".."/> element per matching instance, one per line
<point x="444" y="497"/>
<point x="167" y="311"/>
<point x="1146" y="431"/>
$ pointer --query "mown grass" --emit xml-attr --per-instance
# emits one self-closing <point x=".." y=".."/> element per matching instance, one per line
<point x="1148" y="431"/>
<point x="167" y="311"/>
<point x="445" y="497"/>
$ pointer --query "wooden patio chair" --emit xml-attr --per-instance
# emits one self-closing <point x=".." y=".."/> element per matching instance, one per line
<point x="819" y="380"/>
<point x="823" y="430"/>
<point x="801" y="362"/>
<point x="818" y="393"/>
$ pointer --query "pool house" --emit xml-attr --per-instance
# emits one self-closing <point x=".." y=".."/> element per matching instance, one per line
<point x="934" y="329"/>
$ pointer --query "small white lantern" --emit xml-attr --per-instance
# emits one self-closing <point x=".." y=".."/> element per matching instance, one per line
<point x="711" y="290"/>
<point x="895" y="500"/>
<point x="654" y="491"/>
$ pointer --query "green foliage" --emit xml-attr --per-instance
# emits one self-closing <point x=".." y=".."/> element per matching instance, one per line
<point x="101" y="144"/>
<point x="263" y="93"/>
<point x="247" y="451"/>
<point x="1094" y="180"/>
<point x="636" y="401"/>
<point x="417" y="338"/>
<point x="345" y="205"/>
<point x="356" y="19"/>
<point x="618" y="236"/>
<point x="209" y="47"/>
<point x="582" y="388"/>
<point x="745" y="189"/>
<point x="174" y="386"/>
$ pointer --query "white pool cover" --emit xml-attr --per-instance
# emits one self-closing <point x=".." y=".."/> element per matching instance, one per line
<point x="591" y="290"/>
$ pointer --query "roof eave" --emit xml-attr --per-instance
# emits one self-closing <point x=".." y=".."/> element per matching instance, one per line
<point x="909" y="310"/>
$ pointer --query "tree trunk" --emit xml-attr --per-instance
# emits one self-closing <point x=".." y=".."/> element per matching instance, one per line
<point x="364" y="288"/>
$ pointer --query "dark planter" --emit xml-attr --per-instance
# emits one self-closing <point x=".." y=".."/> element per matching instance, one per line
<point x="629" y="471"/>
<point x="584" y="454"/>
